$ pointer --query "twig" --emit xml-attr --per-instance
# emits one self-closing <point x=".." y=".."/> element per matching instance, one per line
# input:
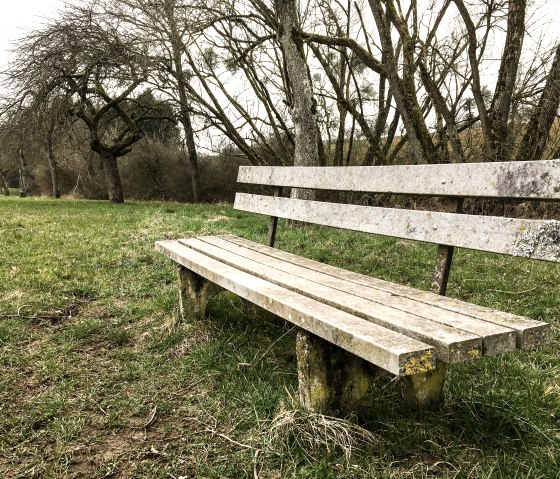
<point x="152" y="417"/>
<point x="150" y="421"/>
<point x="255" y="463"/>
<point x="512" y="292"/>
<point x="261" y="357"/>
<point x="227" y="438"/>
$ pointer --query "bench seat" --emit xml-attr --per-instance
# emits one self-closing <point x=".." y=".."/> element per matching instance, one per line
<point x="401" y="329"/>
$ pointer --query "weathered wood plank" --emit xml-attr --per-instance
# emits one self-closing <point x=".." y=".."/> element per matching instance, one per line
<point x="536" y="239"/>
<point x="530" y="333"/>
<point x="522" y="180"/>
<point x="496" y="339"/>
<point x="452" y="345"/>
<point x="387" y="349"/>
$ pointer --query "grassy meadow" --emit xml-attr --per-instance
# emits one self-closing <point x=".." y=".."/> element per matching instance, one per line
<point x="94" y="383"/>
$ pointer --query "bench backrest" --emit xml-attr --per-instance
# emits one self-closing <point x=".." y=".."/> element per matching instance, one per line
<point x="529" y="238"/>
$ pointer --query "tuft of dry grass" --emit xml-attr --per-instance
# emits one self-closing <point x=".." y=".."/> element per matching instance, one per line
<point x="314" y="433"/>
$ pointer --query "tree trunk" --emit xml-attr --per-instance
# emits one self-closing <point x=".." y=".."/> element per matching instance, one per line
<point x="303" y="105"/>
<point x="339" y="147"/>
<point x="539" y="125"/>
<point x="53" y="166"/>
<point x="4" y="185"/>
<point x="112" y="177"/>
<point x="185" y="119"/>
<point x="192" y="156"/>
<point x="501" y="103"/>
<point x="22" y="175"/>
<point x="321" y="148"/>
<point x="403" y="89"/>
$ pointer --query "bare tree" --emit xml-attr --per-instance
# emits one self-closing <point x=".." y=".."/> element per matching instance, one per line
<point x="166" y="26"/>
<point x="540" y="123"/>
<point x="4" y="184"/>
<point x="85" y="58"/>
<point x="300" y="94"/>
<point x="432" y="69"/>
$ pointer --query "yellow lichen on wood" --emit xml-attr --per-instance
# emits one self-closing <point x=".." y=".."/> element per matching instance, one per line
<point x="425" y="390"/>
<point x="418" y="365"/>
<point x="474" y="353"/>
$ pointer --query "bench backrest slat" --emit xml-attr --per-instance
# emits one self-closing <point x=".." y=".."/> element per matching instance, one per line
<point x="537" y="239"/>
<point x="520" y="180"/>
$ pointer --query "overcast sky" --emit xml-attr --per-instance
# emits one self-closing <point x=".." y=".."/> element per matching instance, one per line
<point x="18" y="16"/>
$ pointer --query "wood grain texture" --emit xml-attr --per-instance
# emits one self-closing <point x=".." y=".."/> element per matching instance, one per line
<point x="522" y="180"/>
<point x="387" y="349"/>
<point x="530" y="333"/>
<point x="536" y="239"/>
<point x="452" y="345"/>
<point x="428" y="323"/>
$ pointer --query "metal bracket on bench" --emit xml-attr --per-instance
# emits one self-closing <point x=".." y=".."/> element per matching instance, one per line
<point x="273" y="224"/>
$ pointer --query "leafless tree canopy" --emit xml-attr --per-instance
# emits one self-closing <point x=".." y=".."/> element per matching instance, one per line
<point x="276" y="82"/>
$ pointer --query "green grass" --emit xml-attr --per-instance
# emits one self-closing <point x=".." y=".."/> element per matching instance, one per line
<point x="94" y="384"/>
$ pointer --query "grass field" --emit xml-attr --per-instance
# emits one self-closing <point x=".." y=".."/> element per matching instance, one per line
<point x="93" y="383"/>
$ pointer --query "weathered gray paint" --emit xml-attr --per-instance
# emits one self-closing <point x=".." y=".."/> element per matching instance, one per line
<point x="387" y="349"/>
<point x="355" y="298"/>
<point x="522" y="180"/>
<point x="536" y="239"/>
<point x="530" y="333"/>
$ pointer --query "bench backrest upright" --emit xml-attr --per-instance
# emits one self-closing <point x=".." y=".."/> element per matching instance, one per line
<point x="528" y="238"/>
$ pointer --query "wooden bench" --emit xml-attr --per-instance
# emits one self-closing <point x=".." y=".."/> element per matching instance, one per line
<point x="351" y="326"/>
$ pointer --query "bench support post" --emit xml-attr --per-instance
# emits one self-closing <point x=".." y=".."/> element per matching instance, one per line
<point x="425" y="391"/>
<point x="444" y="255"/>
<point x="273" y="223"/>
<point x="194" y="294"/>
<point x="331" y="380"/>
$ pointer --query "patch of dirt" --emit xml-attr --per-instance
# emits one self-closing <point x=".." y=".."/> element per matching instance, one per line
<point x="57" y="315"/>
<point x="194" y="340"/>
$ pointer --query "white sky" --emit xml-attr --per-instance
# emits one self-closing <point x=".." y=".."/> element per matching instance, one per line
<point x="18" y="16"/>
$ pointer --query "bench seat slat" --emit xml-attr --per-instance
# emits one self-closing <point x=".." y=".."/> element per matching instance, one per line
<point x="536" y="239"/>
<point x="520" y="180"/>
<point x="530" y="333"/>
<point x="387" y="349"/>
<point x="496" y="339"/>
<point x="452" y="345"/>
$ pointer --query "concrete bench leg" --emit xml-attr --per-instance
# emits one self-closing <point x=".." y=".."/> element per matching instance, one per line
<point x="331" y="380"/>
<point x="194" y="294"/>
<point x="424" y="391"/>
